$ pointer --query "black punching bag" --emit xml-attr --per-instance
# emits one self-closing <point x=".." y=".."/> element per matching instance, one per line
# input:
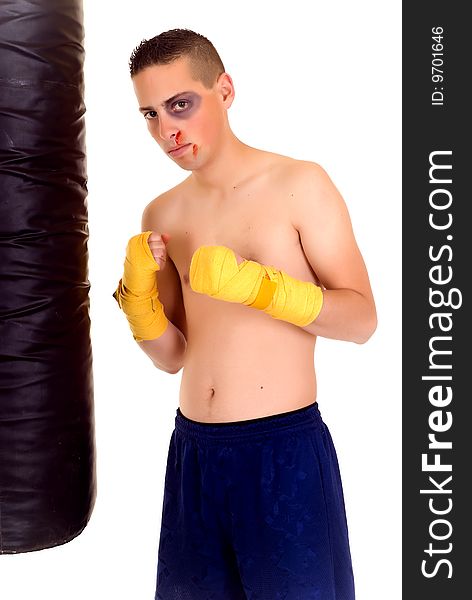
<point x="47" y="444"/>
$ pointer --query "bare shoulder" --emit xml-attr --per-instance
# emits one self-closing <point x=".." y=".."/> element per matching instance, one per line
<point x="300" y="174"/>
<point x="310" y="191"/>
<point x="161" y="210"/>
<point x="302" y="182"/>
<point x="291" y="174"/>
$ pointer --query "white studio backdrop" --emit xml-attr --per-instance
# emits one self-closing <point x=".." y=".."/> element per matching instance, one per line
<point x="314" y="80"/>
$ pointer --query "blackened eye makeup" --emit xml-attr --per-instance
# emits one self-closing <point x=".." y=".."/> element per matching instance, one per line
<point x="192" y="101"/>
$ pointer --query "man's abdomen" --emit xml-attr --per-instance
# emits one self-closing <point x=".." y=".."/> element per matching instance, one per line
<point x="242" y="364"/>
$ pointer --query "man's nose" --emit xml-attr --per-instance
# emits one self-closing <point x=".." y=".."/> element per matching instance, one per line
<point x="167" y="128"/>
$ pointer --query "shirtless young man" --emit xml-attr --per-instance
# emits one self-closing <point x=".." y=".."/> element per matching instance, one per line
<point x="253" y="504"/>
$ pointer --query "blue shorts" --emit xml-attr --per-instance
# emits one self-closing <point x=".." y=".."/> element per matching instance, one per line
<point x="254" y="510"/>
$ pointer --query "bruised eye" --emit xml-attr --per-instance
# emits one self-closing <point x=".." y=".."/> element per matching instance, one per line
<point x="152" y="114"/>
<point x="180" y="105"/>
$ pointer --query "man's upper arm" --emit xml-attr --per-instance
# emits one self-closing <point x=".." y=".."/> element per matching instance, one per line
<point x="168" y="280"/>
<point x="321" y="217"/>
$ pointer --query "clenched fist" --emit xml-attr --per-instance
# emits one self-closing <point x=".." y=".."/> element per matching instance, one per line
<point x="137" y="292"/>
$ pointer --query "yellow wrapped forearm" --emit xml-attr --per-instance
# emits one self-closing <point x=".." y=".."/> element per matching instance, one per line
<point x="137" y="293"/>
<point x="214" y="271"/>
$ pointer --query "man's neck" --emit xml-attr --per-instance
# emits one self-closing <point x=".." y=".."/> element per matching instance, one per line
<point x="226" y="168"/>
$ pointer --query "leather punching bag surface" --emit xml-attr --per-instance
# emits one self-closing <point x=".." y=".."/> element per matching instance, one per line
<point x="47" y="445"/>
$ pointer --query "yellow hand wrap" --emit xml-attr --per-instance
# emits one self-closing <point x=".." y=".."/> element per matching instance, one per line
<point x="137" y="293"/>
<point x="214" y="271"/>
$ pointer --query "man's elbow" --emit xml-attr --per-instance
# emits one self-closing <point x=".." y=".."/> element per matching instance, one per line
<point x="171" y="369"/>
<point x="174" y="370"/>
<point x="367" y="331"/>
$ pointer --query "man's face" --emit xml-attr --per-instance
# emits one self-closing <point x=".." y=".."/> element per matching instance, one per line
<point x="183" y="116"/>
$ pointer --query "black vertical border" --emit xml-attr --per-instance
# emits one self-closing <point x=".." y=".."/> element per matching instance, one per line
<point x="426" y="129"/>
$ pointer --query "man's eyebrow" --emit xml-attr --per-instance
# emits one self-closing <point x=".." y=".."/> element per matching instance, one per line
<point x="166" y="102"/>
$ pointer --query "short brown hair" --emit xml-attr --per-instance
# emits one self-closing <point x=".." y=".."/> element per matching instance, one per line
<point x="205" y="63"/>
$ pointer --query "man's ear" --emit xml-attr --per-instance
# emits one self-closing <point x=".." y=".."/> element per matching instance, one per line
<point x="226" y="89"/>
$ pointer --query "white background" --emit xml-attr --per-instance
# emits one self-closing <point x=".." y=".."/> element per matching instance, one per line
<point x="314" y="80"/>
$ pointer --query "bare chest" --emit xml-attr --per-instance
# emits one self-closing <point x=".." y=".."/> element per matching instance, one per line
<point x="255" y="225"/>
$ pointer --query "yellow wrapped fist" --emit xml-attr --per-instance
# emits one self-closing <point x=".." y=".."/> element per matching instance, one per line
<point x="137" y="293"/>
<point x="214" y="271"/>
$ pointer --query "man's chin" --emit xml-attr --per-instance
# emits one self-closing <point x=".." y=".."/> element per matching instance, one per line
<point x="186" y="165"/>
